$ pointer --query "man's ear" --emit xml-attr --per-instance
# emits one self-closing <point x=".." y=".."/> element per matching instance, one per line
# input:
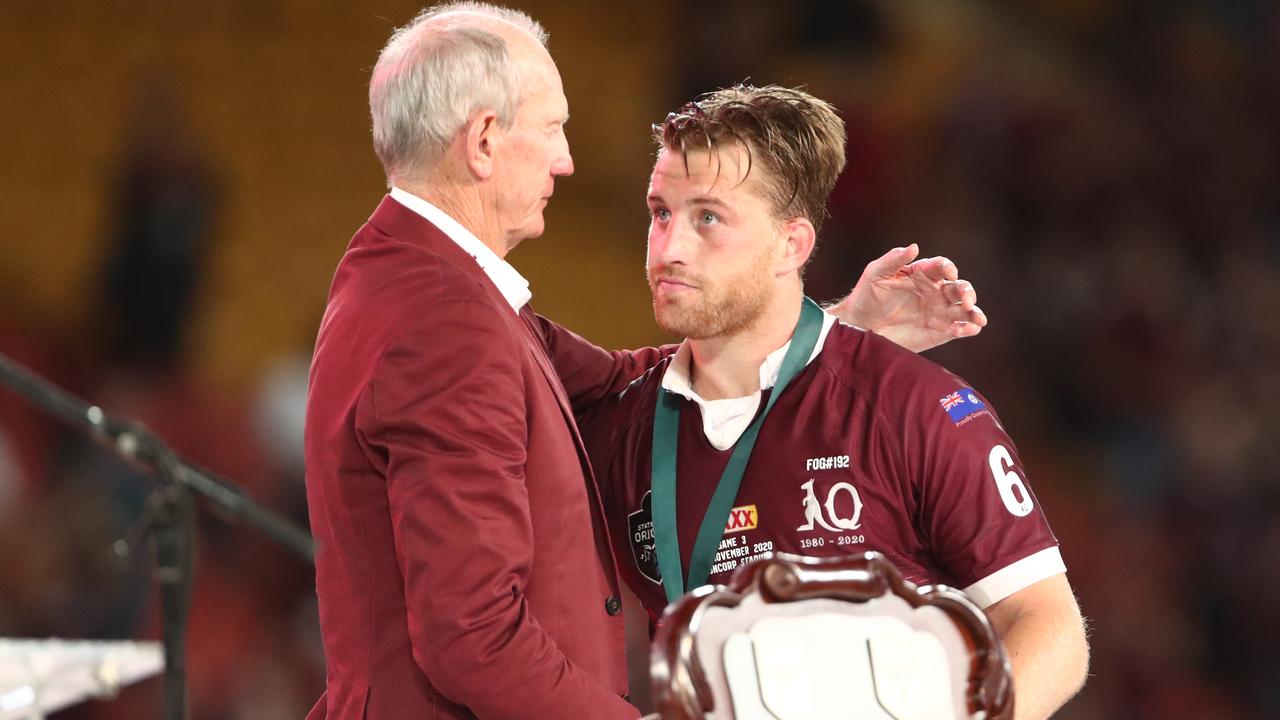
<point x="480" y="139"/>
<point x="798" y="238"/>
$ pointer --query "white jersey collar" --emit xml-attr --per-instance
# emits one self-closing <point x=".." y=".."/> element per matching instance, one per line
<point x="724" y="421"/>
<point x="512" y="285"/>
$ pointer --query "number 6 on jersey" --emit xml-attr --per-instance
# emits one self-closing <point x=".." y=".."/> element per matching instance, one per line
<point x="1019" y="502"/>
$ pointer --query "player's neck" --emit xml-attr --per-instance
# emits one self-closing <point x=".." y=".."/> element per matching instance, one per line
<point x="728" y="366"/>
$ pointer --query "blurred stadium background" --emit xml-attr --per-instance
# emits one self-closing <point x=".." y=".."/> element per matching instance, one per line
<point x="179" y="179"/>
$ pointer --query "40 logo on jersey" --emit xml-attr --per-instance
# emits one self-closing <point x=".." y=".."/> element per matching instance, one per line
<point x="830" y="519"/>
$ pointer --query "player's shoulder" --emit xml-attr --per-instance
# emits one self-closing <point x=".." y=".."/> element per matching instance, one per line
<point x="637" y="400"/>
<point x="876" y="366"/>
<point x="892" y="378"/>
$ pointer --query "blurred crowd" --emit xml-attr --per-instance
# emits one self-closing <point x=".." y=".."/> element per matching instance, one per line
<point x="65" y="501"/>
<point x="1106" y="173"/>
<point x="1108" y="177"/>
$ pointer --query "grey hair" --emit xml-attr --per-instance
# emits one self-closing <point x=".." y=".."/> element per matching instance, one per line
<point x="432" y="77"/>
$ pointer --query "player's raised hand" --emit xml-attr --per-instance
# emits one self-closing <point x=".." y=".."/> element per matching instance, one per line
<point x="919" y="304"/>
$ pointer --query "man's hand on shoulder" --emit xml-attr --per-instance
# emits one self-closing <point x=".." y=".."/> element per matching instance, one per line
<point x="918" y="304"/>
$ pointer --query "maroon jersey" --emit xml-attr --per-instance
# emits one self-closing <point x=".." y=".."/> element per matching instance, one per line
<point x="871" y="447"/>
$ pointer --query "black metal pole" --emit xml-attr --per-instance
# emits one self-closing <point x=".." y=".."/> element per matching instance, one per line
<point x="171" y="515"/>
<point x="135" y="443"/>
<point x="173" y="533"/>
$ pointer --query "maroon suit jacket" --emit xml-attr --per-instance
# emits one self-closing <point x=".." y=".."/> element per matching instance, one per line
<point x="463" y="568"/>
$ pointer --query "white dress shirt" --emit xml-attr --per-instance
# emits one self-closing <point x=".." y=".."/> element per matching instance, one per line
<point x="509" y="281"/>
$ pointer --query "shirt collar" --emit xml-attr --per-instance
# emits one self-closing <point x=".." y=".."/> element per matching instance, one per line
<point x="512" y="285"/>
<point x="677" y="376"/>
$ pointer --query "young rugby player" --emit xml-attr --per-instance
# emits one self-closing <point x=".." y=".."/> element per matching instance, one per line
<point x="775" y="427"/>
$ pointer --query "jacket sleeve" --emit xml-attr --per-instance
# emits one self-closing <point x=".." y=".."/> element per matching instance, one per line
<point x="446" y="413"/>
<point x="589" y="372"/>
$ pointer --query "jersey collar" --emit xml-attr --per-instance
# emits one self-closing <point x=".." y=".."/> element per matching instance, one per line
<point x="724" y="421"/>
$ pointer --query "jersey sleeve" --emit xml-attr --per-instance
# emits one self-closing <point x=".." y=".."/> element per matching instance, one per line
<point x="591" y="373"/>
<point x="977" y="512"/>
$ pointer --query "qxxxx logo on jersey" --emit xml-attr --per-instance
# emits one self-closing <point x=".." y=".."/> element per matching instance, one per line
<point x="742" y="518"/>
<point x="644" y="545"/>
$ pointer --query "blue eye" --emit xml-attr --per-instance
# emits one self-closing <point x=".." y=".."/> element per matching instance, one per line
<point x="661" y="214"/>
<point x="709" y="218"/>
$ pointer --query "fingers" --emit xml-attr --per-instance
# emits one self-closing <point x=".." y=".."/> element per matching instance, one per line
<point x="892" y="262"/>
<point x="969" y="325"/>
<point x="977" y="317"/>
<point x="961" y="329"/>
<point x="960" y="292"/>
<point x="934" y="269"/>
<point x="909" y="253"/>
<point x="957" y="313"/>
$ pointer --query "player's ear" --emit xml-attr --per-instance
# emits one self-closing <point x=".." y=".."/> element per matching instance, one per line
<point x="798" y="238"/>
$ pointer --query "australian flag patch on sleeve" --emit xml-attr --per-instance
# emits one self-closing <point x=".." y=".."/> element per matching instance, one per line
<point x="962" y="405"/>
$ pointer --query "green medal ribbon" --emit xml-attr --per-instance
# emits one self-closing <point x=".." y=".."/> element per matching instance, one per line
<point x="666" y="431"/>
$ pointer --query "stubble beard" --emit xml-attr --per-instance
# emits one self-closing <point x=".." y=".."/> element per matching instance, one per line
<point x="728" y="307"/>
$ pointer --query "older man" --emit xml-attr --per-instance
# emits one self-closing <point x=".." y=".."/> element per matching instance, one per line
<point x="776" y="428"/>
<point x="463" y="569"/>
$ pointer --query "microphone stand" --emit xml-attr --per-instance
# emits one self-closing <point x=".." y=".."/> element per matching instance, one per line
<point x="169" y="516"/>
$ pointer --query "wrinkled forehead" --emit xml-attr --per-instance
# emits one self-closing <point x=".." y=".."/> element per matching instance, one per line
<point x="542" y="98"/>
